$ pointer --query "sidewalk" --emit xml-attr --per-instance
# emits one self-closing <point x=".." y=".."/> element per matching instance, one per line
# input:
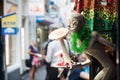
<point x="39" y="75"/>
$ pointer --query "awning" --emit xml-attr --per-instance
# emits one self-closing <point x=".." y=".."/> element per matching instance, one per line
<point x="45" y="22"/>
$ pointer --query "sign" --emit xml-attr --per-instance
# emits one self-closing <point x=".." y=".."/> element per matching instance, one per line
<point x="9" y="31"/>
<point x="36" y="7"/>
<point x="40" y="19"/>
<point x="9" y="24"/>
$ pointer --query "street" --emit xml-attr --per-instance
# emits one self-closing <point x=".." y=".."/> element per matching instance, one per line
<point x="39" y="75"/>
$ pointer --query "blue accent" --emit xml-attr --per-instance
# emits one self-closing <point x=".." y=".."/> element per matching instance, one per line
<point x="75" y="75"/>
<point x="86" y="68"/>
<point x="8" y="15"/>
<point x="39" y="16"/>
<point x="39" y="19"/>
<point x="51" y="2"/>
<point x="13" y="32"/>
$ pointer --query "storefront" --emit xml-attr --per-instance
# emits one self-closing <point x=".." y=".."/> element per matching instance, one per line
<point x="15" y="51"/>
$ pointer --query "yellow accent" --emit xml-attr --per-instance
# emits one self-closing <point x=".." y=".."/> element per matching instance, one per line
<point x="78" y="0"/>
<point x="9" y="21"/>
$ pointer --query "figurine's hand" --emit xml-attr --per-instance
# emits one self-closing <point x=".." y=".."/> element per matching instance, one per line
<point x="75" y="58"/>
<point x="110" y="51"/>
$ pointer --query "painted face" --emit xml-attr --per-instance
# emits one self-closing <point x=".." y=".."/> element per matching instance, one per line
<point x="74" y="25"/>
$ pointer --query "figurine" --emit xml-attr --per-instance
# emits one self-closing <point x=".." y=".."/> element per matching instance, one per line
<point x="92" y="44"/>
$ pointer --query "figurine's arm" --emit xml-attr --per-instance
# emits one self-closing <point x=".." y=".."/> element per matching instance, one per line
<point x="94" y="37"/>
<point x="111" y="46"/>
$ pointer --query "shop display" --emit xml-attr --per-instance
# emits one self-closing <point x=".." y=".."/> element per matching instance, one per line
<point x="95" y="47"/>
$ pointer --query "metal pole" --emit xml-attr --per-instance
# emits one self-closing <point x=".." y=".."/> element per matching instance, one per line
<point x="18" y="36"/>
<point x="117" y="39"/>
<point x="2" y="52"/>
<point x="2" y="68"/>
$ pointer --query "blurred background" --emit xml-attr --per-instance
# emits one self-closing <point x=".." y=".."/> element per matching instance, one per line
<point x="23" y="20"/>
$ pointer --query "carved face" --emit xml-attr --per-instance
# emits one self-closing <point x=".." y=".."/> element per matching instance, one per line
<point x="76" y="22"/>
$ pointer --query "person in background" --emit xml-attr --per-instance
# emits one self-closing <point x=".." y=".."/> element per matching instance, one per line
<point x="54" y="47"/>
<point x="80" y="73"/>
<point x="32" y="51"/>
<point x="44" y="52"/>
<point x="83" y="58"/>
<point x="45" y="44"/>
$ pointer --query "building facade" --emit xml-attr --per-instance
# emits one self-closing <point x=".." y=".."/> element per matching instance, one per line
<point x="16" y="46"/>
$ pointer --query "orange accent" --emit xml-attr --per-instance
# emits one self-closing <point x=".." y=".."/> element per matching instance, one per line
<point x="13" y="8"/>
<point x="106" y="48"/>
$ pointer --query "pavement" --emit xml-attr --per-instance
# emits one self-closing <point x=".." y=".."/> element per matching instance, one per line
<point x="39" y="75"/>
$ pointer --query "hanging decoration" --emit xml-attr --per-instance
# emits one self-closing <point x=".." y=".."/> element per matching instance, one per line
<point x="104" y="18"/>
<point x="78" y="5"/>
<point x="99" y="17"/>
<point x="103" y="2"/>
<point x="88" y="12"/>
